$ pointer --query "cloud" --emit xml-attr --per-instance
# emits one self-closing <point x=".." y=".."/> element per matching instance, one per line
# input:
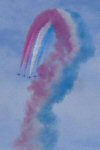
<point x="13" y="96"/>
<point x="78" y="115"/>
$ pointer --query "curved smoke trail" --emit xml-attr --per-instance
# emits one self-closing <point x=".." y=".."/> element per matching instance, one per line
<point x="56" y="76"/>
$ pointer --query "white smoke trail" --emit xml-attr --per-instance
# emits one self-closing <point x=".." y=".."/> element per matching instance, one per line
<point x="38" y="45"/>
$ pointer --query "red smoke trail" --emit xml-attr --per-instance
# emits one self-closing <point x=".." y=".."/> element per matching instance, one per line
<point x="41" y="91"/>
<point x="49" y="73"/>
<point x="60" y="25"/>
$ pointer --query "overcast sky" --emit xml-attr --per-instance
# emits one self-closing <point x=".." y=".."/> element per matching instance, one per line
<point x="79" y="113"/>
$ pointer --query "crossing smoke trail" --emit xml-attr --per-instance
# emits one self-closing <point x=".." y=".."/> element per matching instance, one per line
<point x="56" y="76"/>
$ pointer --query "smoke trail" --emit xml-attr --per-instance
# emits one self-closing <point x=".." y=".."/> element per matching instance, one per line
<point x="61" y="21"/>
<point x="38" y="46"/>
<point x="48" y="135"/>
<point x="56" y="78"/>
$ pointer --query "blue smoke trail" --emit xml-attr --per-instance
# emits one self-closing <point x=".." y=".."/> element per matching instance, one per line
<point x="49" y="134"/>
<point x="47" y="42"/>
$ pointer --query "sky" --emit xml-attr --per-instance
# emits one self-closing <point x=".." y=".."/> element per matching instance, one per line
<point x="78" y="115"/>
